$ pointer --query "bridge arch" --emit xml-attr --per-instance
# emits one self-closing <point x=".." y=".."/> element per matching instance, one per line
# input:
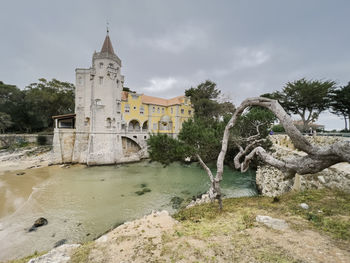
<point x="130" y="146"/>
<point x="145" y="126"/>
<point x="134" y="126"/>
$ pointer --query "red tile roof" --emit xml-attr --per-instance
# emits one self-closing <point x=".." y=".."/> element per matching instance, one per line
<point x="157" y="101"/>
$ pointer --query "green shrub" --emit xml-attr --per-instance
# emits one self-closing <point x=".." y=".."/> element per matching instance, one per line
<point x="278" y="128"/>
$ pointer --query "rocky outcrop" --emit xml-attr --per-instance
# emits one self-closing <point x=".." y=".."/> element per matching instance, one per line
<point x="60" y="254"/>
<point x="275" y="223"/>
<point x="202" y="200"/>
<point x="272" y="182"/>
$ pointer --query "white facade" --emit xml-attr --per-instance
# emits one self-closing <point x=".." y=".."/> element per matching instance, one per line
<point x="97" y="137"/>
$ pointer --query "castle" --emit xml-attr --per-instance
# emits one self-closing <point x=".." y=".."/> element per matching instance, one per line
<point x="111" y="125"/>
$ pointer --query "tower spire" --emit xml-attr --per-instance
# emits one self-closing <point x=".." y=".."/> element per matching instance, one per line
<point x="107" y="27"/>
<point x="107" y="44"/>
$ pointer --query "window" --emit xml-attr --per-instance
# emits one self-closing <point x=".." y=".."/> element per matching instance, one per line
<point x="108" y="122"/>
<point x="154" y="109"/>
<point x="158" y="110"/>
<point x="134" y="107"/>
<point x="127" y="108"/>
<point x="182" y="111"/>
<point x="155" y="126"/>
<point x="162" y="110"/>
<point x="142" y="110"/>
<point x="101" y="80"/>
<point x="189" y="112"/>
<point x="101" y="65"/>
<point x="118" y="106"/>
<point x="98" y="102"/>
<point x="171" y="110"/>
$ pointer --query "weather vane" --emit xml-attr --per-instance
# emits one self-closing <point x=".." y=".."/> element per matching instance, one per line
<point x="107" y="27"/>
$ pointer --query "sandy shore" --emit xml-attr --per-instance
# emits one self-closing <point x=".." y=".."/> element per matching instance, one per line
<point x="24" y="158"/>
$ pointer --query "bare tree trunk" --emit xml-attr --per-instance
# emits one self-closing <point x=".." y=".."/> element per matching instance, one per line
<point x="215" y="189"/>
<point x="317" y="158"/>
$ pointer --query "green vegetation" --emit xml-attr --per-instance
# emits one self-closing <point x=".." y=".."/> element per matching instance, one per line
<point x="81" y="254"/>
<point x="278" y="128"/>
<point x="340" y="103"/>
<point x="27" y="258"/>
<point x="329" y="210"/>
<point x="31" y="109"/>
<point x="306" y="98"/>
<point x="202" y="135"/>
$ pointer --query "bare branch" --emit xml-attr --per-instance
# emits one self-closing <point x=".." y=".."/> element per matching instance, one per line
<point x="318" y="158"/>
<point x="206" y="168"/>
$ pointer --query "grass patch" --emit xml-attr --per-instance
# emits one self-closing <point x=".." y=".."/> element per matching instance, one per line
<point x="329" y="210"/>
<point x="81" y="254"/>
<point x="27" y="258"/>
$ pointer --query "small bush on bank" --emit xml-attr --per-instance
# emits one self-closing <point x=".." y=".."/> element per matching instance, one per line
<point x="278" y="128"/>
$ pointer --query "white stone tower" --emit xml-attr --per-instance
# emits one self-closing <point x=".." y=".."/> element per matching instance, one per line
<point x="98" y="109"/>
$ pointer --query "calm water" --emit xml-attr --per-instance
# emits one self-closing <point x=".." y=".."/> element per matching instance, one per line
<point x="82" y="202"/>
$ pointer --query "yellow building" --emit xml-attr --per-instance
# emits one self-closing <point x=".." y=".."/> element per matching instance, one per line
<point x="142" y="113"/>
<point x="110" y="125"/>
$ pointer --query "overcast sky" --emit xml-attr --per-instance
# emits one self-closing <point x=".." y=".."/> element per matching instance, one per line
<point x="247" y="47"/>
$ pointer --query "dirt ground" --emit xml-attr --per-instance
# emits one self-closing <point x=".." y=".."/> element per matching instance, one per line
<point x="233" y="237"/>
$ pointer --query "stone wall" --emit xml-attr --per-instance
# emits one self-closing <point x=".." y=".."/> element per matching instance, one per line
<point x="272" y="182"/>
<point x="7" y="140"/>
<point x="70" y="146"/>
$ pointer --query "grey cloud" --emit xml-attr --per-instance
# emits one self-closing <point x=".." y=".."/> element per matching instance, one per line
<point x="246" y="47"/>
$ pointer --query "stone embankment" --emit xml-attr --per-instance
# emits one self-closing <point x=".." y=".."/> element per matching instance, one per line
<point x="272" y="182"/>
<point x="7" y="140"/>
<point x="24" y="158"/>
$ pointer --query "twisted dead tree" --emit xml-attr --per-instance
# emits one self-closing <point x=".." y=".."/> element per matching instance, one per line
<point x="316" y="159"/>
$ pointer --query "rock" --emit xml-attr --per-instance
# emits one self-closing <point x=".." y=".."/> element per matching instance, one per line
<point x="21" y="173"/>
<point x="304" y="206"/>
<point x="202" y="200"/>
<point x="146" y="190"/>
<point x="272" y="182"/>
<point x="60" y="242"/>
<point x="143" y="191"/>
<point x="143" y="185"/>
<point x="176" y="202"/>
<point x="274" y="223"/>
<point x="321" y="179"/>
<point x="275" y="199"/>
<point x="60" y="254"/>
<point x="38" y="223"/>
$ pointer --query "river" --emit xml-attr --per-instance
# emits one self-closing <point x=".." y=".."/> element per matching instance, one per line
<point x="80" y="203"/>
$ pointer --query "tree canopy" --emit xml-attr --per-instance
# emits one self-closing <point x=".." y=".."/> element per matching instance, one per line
<point x="32" y="109"/>
<point x="306" y="98"/>
<point x="340" y="102"/>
